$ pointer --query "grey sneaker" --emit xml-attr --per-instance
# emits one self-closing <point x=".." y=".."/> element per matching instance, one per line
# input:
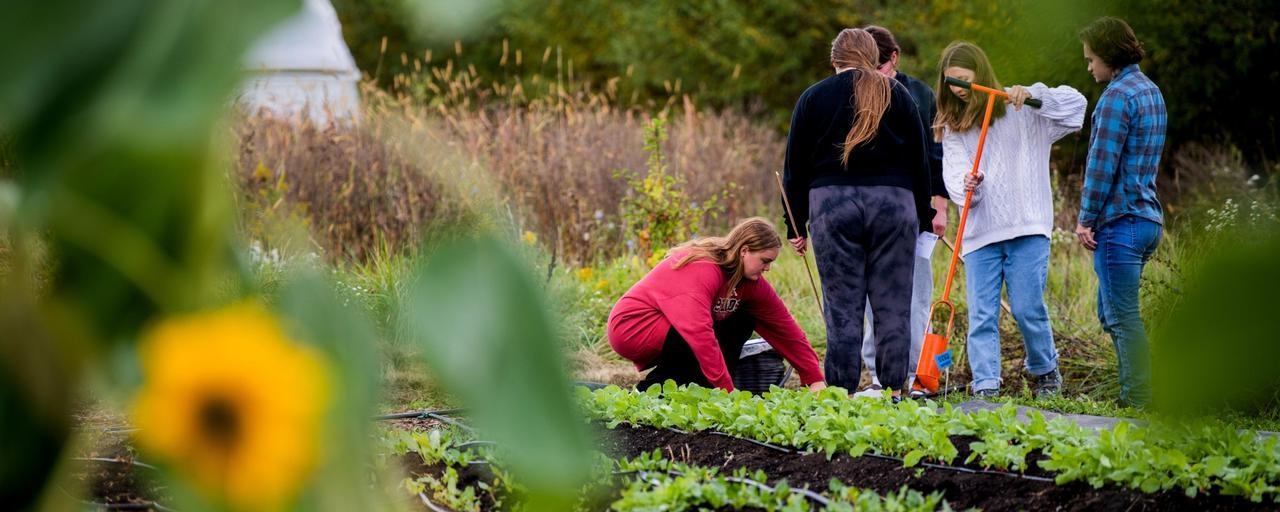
<point x="987" y="393"/>
<point x="1049" y="384"/>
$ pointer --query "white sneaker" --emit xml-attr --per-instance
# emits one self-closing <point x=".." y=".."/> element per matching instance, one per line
<point x="871" y="393"/>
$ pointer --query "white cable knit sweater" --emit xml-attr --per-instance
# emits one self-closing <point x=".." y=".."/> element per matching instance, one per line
<point x="1014" y="198"/>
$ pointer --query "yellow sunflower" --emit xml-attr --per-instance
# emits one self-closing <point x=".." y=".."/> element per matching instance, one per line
<point x="232" y="403"/>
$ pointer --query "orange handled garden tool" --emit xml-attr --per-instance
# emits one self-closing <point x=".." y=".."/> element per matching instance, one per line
<point x="928" y="369"/>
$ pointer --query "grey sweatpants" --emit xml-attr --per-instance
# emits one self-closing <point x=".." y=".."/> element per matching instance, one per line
<point x="864" y="242"/>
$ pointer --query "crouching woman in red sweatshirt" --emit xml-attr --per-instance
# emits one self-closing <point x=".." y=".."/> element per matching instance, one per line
<point x="689" y="317"/>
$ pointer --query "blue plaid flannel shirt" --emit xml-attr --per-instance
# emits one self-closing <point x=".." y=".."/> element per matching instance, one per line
<point x="1124" y="151"/>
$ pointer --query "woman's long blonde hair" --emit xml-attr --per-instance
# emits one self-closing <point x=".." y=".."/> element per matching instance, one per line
<point x="954" y="113"/>
<point x="756" y="234"/>
<point x="856" y="48"/>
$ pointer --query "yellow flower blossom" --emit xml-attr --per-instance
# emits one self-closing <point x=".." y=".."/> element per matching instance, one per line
<point x="233" y="404"/>
<point x="656" y="257"/>
<point x="530" y="238"/>
<point x="261" y="172"/>
<point x="602" y="285"/>
<point x="585" y="274"/>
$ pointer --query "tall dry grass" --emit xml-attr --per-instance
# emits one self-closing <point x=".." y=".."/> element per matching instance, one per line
<point x="549" y="161"/>
<point x="356" y="193"/>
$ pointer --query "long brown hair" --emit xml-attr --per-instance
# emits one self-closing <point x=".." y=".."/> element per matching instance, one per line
<point x="756" y="234"/>
<point x="1112" y="40"/>
<point x="954" y="113"/>
<point x="855" y="48"/>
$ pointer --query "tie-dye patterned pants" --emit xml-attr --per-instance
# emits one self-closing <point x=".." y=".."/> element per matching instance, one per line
<point x="864" y="241"/>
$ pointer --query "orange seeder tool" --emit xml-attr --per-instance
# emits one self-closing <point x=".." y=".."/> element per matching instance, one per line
<point x="927" y="372"/>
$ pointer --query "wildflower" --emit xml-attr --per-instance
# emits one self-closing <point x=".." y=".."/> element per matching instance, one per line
<point x="530" y="238"/>
<point x="232" y="403"/>
<point x="599" y="215"/>
<point x="261" y="173"/>
<point x="656" y="258"/>
<point x="602" y="285"/>
<point x="585" y="274"/>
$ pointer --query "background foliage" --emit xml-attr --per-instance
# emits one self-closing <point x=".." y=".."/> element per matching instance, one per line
<point x="1213" y="60"/>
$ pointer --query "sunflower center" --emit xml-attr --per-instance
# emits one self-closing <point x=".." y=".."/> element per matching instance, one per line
<point x="220" y="421"/>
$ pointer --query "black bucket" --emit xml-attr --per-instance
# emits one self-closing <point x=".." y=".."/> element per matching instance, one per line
<point x="760" y="367"/>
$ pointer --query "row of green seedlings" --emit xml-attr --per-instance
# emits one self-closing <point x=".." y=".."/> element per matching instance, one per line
<point x="1192" y="457"/>
<point x="647" y="482"/>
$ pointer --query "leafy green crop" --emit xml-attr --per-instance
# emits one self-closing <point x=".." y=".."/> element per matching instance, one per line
<point x="1192" y="457"/>
<point x="647" y="482"/>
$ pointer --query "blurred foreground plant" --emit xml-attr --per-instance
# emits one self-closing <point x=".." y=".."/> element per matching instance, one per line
<point x="233" y="402"/>
<point x="121" y="221"/>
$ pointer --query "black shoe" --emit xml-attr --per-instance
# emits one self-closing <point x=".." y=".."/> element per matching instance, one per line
<point x="987" y="393"/>
<point x="1049" y="384"/>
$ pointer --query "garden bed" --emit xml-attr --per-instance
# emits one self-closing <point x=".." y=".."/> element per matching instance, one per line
<point x="961" y="489"/>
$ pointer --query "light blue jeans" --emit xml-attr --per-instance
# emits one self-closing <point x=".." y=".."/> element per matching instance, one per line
<point x="1021" y="264"/>
<point x="1124" y="246"/>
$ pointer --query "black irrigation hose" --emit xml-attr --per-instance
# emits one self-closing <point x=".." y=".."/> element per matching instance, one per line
<point x="146" y="505"/>
<point x="960" y="469"/>
<point x="897" y="459"/>
<point x="812" y="496"/>
<point x="418" y="414"/>
<point x="468" y="444"/>
<point x="752" y="441"/>
<point x="114" y="461"/>
<point x="433" y="414"/>
<point x="431" y="505"/>
<point x="451" y="421"/>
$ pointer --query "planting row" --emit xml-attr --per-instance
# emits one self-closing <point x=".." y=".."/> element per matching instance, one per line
<point x="465" y="476"/>
<point x="1193" y="459"/>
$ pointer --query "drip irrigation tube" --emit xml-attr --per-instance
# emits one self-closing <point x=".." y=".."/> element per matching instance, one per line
<point x="959" y="469"/>
<point x="808" y="494"/>
<point x="752" y="441"/>
<point x="431" y="505"/>
<point x="418" y="414"/>
<point x="438" y="414"/>
<point x="146" y="505"/>
<point x="115" y="461"/>
<point x="451" y="421"/>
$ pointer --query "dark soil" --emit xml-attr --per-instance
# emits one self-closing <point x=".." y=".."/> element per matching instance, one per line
<point x="468" y="476"/>
<point x="117" y="482"/>
<point x="961" y="489"/>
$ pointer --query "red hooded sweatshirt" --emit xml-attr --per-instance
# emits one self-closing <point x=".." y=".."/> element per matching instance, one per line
<point x="690" y="299"/>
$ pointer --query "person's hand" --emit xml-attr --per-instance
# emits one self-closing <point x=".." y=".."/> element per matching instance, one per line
<point x="1085" y="235"/>
<point x="799" y="244"/>
<point x="940" y="222"/>
<point x="971" y="182"/>
<point x="818" y="386"/>
<point x="1017" y="96"/>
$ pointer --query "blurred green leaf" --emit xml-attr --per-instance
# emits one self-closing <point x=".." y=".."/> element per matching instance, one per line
<point x="1218" y="348"/>
<point x="348" y="341"/>
<point x="111" y="107"/>
<point x="485" y="332"/>
<point x="108" y="109"/>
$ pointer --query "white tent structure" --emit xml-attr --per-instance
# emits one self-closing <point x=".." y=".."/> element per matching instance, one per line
<point x="303" y="69"/>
